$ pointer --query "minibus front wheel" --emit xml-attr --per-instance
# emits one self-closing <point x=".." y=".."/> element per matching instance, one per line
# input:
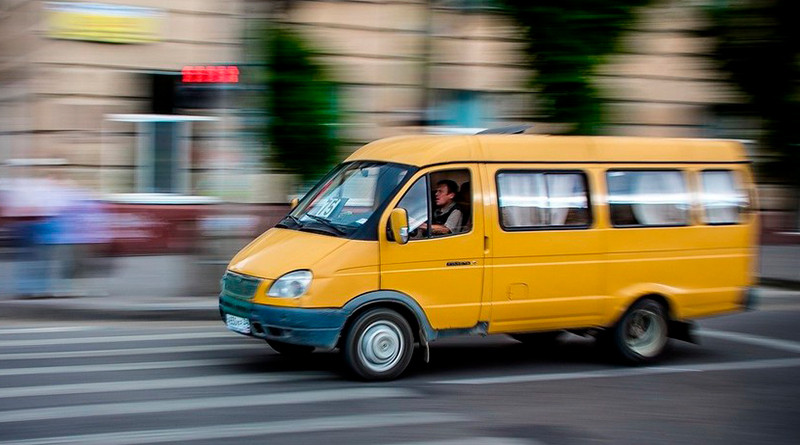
<point x="640" y="336"/>
<point x="378" y="345"/>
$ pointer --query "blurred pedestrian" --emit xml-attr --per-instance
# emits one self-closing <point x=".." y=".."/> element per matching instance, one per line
<point x="69" y="236"/>
<point x="27" y="209"/>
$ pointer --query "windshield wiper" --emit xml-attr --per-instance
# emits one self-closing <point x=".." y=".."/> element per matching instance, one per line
<point x="293" y="218"/>
<point x="327" y="223"/>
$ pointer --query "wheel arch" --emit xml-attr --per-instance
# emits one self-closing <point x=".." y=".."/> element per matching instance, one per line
<point x="664" y="295"/>
<point x="401" y="303"/>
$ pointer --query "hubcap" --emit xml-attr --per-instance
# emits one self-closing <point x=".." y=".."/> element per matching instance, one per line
<point x="381" y="346"/>
<point x="645" y="332"/>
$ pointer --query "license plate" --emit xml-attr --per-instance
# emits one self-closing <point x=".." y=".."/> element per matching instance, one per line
<point x="237" y="324"/>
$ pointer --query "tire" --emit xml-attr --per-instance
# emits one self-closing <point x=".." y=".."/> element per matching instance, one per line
<point x="640" y="336"/>
<point x="378" y="345"/>
<point x="289" y="349"/>
<point x="538" y="339"/>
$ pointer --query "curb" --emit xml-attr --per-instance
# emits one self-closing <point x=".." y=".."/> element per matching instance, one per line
<point x="779" y="283"/>
<point x="74" y="309"/>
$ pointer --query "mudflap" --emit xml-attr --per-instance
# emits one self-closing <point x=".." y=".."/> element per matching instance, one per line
<point x="423" y="344"/>
<point x="684" y="331"/>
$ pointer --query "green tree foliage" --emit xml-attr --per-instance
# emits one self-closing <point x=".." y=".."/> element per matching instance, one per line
<point x="567" y="40"/>
<point x="300" y="105"/>
<point x="758" y="44"/>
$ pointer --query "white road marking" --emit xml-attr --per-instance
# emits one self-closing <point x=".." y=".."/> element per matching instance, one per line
<point x="118" y="367"/>
<point x="757" y="340"/>
<point x="114" y="339"/>
<point x="476" y="441"/>
<point x="627" y="372"/>
<point x="148" y="385"/>
<point x="10" y="331"/>
<point x="130" y="351"/>
<point x="238" y="402"/>
<point x="249" y="429"/>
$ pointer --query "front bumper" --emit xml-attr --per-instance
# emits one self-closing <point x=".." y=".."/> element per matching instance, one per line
<point x="311" y="327"/>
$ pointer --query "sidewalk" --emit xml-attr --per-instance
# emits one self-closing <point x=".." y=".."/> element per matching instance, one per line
<point x="780" y="265"/>
<point x="111" y="308"/>
<point x="161" y="287"/>
<point x="137" y="296"/>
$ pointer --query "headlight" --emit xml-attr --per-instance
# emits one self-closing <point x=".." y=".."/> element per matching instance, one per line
<point x="291" y="285"/>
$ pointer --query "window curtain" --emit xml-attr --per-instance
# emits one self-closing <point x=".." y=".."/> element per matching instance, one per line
<point x="660" y="198"/>
<point x="721" y="199"/>
<point x="561" y="196"/>
<point x="522" y="199"/>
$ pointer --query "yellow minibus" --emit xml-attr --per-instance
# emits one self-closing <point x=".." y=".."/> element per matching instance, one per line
<point x="415" y="238"/>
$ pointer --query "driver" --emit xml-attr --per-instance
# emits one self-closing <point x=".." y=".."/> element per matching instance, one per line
<point x="447" y="217"/>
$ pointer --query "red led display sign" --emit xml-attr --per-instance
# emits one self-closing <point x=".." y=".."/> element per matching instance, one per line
<point x="210" y="74"/>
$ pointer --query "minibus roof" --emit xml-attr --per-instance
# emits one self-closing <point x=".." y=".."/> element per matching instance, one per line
<point x="432" y="150"/>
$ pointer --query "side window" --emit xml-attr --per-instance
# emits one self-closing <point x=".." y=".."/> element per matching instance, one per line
<point x="647" y="198"/>
<point x="543" y="199"/>
<point x="451" y="202"/>
<point x="439" y="204"/>
<point x="722" y="197"/>
<point x="416" y="204"/>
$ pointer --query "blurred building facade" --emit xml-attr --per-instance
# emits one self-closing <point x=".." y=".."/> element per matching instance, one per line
<point x="69" y="90"/>
<point x="84" y="82"/>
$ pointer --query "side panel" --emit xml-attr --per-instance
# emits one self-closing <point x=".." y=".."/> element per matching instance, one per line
<point x="544" y="279"/>
<point x="702" y="269"/>
<point x="444" y="275"/>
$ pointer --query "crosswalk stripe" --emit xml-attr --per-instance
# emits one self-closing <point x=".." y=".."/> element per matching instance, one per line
<point x="475" y="441"/>
<point x="161" y="406"/>
<point x="114" y="339"/>
<point x="46" y="330"/>
<point x="117" y="367"/>
<point x="629" y="372"/>
<point x="774" y="343"/>
<point x="148" y="385"/>
<point x="129" y="351"/>
<point x="313" y="425"/>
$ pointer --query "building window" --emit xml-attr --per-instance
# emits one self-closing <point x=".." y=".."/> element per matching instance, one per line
<point x="543" y="200"/>
<point x="722" y="196"/>
<point x="163" y="151"/>
<point x="459" y="108"/>
<point x="647" y="198"/>
<point x="467" y="5"/>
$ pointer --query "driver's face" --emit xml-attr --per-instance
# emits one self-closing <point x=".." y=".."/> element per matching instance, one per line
<point x="442" y="197"/>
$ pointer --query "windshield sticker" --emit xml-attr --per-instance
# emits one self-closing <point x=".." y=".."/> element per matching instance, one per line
<point x="328" y="207"/>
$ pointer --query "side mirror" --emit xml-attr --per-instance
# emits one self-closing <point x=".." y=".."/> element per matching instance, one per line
<point x="398" y="223"/>
<point x="293" y="203"/>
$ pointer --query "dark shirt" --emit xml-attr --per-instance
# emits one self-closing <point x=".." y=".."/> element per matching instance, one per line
<point x="449" y="216"/>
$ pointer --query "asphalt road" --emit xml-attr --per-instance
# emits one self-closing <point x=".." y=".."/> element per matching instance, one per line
<point x="131" y="383"/>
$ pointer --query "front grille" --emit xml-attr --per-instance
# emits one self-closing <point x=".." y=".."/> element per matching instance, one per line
<point x="239" y="286"/>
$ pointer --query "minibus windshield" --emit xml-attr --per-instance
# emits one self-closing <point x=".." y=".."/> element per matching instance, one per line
<point x="348" y="200"/>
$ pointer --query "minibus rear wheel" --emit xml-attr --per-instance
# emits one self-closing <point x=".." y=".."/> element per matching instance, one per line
<point x="289" y="349"/>
<point x="641" y="334"/>
<point x="378" y="345"/>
